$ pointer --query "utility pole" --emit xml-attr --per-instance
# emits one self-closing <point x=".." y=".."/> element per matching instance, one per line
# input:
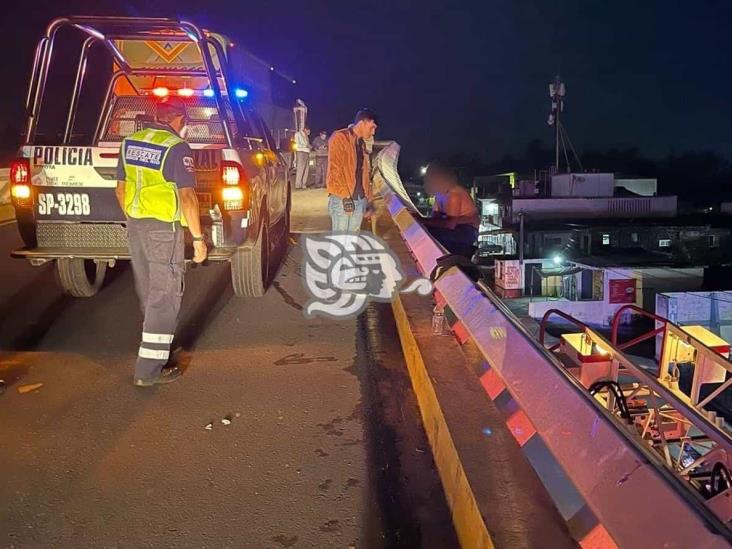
<point x="556" y="144"/>
<point x="557" y="91"/>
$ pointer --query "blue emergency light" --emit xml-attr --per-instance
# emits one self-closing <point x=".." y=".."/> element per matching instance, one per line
<point x="239" y="93"/>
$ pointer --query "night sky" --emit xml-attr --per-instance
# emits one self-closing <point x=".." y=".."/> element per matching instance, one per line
<point x="466" y="76"/>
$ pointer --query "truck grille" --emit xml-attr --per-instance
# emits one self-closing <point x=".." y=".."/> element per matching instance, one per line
<point x="81" y="235"/>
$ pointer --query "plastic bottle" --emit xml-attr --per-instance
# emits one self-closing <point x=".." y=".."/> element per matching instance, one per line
<point x="438" y="320"/>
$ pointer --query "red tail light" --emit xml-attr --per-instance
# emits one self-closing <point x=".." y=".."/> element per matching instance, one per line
<point x="236" y="189"/>
<point x="20" y="171"/>
<point x="20" y="188"/>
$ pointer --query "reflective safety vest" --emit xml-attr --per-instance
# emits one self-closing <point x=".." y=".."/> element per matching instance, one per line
<point x="147" y="193"/>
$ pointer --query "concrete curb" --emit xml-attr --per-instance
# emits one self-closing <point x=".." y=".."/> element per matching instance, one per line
<point x="466" y="517"/>
<point x="495" y="497"/>
<point x="469" y="525"/>
<point x="7" y="214"/>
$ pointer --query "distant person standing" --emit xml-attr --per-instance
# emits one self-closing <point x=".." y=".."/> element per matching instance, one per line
<point x="320" y="145"/>
<point x="302" y="158"/>
<point x="348" y="177"/>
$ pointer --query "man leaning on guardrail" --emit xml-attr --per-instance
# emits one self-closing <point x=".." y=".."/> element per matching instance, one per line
<point x="348" y="179"/>
<point x="455" y="219"/>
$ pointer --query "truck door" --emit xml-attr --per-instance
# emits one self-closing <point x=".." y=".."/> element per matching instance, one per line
<point x="275" y="168"/>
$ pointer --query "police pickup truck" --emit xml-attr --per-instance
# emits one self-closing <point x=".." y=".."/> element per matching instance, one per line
<point x="63" y="181"/>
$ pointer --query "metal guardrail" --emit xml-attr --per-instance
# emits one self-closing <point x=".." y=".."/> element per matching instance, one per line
<point x="651" y="409"/>
<point x="637" y="502"/>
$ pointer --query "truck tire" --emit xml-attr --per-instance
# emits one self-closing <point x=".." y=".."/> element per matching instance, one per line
<point x="250" y="266"/>
<point x="80" y="277"/>
<point x="288" y="213"/>
<point x="27" y="230"/>
<point x="283" y="232"/>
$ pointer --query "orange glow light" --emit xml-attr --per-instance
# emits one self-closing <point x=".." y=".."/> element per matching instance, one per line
<point x="20" y="192"/>
<point x="232" y="193"/>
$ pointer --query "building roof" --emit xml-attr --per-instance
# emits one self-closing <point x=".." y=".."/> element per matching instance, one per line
<point x="699" y="222"/>
<point x="629" y="258"/>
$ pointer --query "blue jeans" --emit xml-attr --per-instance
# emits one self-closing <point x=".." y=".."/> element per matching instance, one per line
<point x="343" y="222"/>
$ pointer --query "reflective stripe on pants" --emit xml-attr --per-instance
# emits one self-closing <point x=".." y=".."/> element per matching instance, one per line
<point x="156" y="253"/>
<point x="152" y="353"/>
<point x="157" y="338"/>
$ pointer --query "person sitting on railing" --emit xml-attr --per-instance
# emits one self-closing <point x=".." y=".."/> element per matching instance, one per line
<point x="455" y="219"/>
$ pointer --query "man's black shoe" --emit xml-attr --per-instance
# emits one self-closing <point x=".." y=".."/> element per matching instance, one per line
<point x="168" y="375"/>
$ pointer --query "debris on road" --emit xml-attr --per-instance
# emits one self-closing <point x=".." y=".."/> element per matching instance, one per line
<point x="28" y="388"/>
<point x="226" y="420"/>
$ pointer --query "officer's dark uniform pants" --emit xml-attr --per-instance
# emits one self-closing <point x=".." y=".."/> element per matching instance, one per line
<point x="157" y="253"/>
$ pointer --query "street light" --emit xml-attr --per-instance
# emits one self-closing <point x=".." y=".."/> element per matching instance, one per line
<point x="423" y="170"/>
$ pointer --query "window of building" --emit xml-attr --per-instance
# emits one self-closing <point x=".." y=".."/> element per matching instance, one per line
<point x="490" y="208"/>
<point x="606" y="239"/>
<point x="664" y="243"/>
<point x="714" y="241"/>
<point x="634" y="238"/>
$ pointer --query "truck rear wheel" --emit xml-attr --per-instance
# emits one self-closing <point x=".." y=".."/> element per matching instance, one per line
<point x="282" y="230"/>
<point x="80" y="277"/>
<point x="250" y="266"/>
<point x="27" y="229"/>
<point x="288" y="214"/>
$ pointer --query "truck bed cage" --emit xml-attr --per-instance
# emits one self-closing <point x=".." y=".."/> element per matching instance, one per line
<point x="104" y="31"/>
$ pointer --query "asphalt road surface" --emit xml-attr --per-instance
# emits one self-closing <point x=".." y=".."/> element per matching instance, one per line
<point x="323" y="446"/>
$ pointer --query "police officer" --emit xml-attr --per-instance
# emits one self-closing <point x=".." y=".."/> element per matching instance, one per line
<point x="156" y="190"/>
